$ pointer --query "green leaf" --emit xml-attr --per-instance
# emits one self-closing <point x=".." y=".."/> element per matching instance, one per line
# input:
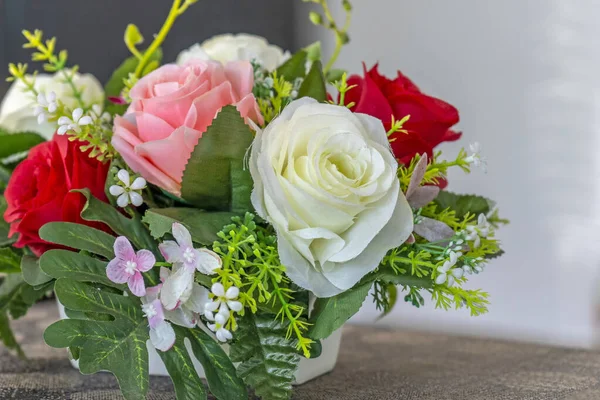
<point x="330" y="314"/>
<point x="10" y="261"/>
<point x="115" y="84"/>
<point x="18" y="143"/>
<point x="4" y="226"/>
<point x="32" y="273"/>
<point x="117" y="346"/>
<point x="16" y="297"/>
<point x="4" y="178"/>
<point x="7" y="337"/>
<point x="295" y="67"/>
<point x="387" y="275"/>
<point x="203" y="226"/>
<point x="335" y="75"/>
<point x="313" y="52"/>
<point x="215" y="177"/>
<point x="98" y="211"/>
<point x="268" y="361"/>
<point x="464" y="203"/>
<point x="187" y="383"/>
<point x="221" y="376"/>
<point x="67" y="264"/>
<point x="314" y="84"/>
<point x="79" y="237"/>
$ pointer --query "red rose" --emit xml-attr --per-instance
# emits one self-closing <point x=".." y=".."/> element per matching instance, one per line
<point x="39" y="190"/>
<point x="430" y="118"/>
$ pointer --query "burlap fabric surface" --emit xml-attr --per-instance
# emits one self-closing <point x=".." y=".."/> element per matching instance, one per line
<point x="374" y="364"/>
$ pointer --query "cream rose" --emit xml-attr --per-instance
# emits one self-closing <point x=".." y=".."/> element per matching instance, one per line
<point x="242" y="47"/>
<point x="325" y="178"/>
<point x="16" y="110"/>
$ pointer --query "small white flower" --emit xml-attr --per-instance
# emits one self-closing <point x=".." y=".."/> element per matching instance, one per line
<point x="67" y="124"/>
<point x="223" y="335"/>
<point x="46" y="106"/>
<point x="224" y="301"/>
<point x="99" y="114"/>
<point x="475" y="232"/>
<point x="476" y="159"/>
<point x="127" y="191"/>
<point x="447" y="274"/>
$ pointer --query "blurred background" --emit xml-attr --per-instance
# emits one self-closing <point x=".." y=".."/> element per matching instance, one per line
<point x="524" y="75"/>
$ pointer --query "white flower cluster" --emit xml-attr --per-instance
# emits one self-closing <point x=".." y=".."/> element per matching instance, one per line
<point x="474" y="233"/>
<point x="448" y="274"/>
<point x="476" y="159"/>
<point x="75" y="123"/>
<point x="225" y="302"/>
<point x="46" y="107"/>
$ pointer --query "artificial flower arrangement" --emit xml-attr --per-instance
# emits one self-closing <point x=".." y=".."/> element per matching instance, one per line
<point x="228" y="198"/>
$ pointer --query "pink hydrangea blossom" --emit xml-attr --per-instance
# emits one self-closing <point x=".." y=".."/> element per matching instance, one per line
<point x="127" y="266"/>
<point x="162" y="335"/>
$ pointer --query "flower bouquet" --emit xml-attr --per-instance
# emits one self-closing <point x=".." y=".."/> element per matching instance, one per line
<point x="223" y="216"/>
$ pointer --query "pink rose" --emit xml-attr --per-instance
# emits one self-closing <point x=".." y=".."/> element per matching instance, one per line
<point x="171" y="108"/>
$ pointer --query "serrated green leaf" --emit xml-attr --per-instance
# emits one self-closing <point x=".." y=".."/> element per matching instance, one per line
<point x="32" y="273"/>
<point x="215" y="178"/>
<point x="79" y="237"/>
<point x="330" y="314"/>
<point x="117" y="346"/>
<point x="187" y="383"/>
<point x="98" y="211"/>
<point x="387" y="275"/>
<point x="268" y="361"/>
<point x="314" y="84"/>
<point x="464" y="203"/>
<point x="10" y="261"/>
<point x="295" y="67"/>
<point x="67" y="264"/>
<point x="18" y="143"/>
<point x="203" y="226"/>
<point x="220" y="373"/>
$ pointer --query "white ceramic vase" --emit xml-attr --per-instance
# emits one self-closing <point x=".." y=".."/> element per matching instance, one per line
<point x="309" y="368"/>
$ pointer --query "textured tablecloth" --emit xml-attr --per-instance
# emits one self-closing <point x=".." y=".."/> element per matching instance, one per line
<point x="374" y="364"/>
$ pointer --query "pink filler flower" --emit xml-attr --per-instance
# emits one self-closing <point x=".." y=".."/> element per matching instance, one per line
<point x="128" y="266"/>
<point x="171" y="108"/>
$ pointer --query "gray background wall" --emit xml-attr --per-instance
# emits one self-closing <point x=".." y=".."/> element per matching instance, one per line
<point x="92" y="30"/>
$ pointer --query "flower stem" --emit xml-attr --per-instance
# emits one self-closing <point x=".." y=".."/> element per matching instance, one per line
<point x="176" y="10"/>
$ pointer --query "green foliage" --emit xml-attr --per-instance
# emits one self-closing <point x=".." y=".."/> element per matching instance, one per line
<point x="118" y="346"/>
<point x="116" y="84"/>
<point x="314" y="84"/>
<point x="294" y="68"/>
<point x="215" y="177"/>
<point x="32" y="273"/>
<point x="10" y="261"/>
<point x="18" y="143"/>
<point x="95" y="210"/>
<point x="463" y="204"/>
<point x="330" y="314"/>
<point x="221" y="375"/>
<point x="187" y="383"/>
<point x="79" y="237"/>
<point x="4" y="227"/>
<point x="16" y="297"/>
<point x="268" y="359"/>
<point x="80" y="267"/>
<point x="203" y="226"/>
<point x="251" y="263"/>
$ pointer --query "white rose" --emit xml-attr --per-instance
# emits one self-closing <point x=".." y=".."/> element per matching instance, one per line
<point x="16" y="110"/>
<point x="242" y="47"/>
<point x="325" y="178"/>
